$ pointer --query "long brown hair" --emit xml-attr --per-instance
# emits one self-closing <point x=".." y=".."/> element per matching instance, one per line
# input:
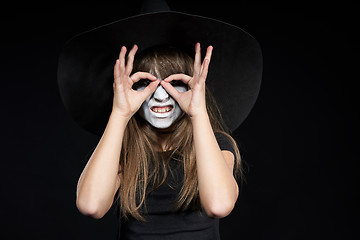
<point x="141" y="141"/>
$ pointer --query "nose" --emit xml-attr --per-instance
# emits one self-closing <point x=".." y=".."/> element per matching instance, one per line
<point x="161" y="95"/>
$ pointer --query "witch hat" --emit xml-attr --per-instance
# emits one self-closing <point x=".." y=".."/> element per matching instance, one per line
<point x="85" y="69"/>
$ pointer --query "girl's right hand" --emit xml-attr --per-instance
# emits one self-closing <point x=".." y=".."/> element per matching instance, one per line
<point x="127" y="101"/>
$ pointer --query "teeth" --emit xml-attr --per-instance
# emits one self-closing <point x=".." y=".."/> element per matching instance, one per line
<point x="161" y="110"/>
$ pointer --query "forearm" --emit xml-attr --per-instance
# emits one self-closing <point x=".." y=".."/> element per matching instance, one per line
<point x="98" y="182"/>
<point x="217" y="187"/>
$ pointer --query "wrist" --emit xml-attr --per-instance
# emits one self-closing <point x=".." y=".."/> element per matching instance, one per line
<point x="200" y="116"/>
<point x="119" y="116"/>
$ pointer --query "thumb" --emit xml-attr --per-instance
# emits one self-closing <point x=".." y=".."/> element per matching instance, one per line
<point x="171" y="90"/>
<point x="149" y="90"/>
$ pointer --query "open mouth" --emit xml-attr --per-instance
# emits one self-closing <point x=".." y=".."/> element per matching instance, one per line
<point x="162" y="109"/>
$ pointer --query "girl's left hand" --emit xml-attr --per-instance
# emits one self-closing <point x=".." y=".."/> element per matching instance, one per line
<point x="192" y="101"/>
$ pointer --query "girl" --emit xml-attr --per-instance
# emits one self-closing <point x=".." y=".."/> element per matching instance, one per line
<point x="165" y="153"/>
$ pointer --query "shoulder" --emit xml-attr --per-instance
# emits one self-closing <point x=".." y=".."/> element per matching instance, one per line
<point x="226" y="142"/>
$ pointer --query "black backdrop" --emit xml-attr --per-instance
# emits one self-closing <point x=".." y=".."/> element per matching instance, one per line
<point x="299" y="142"/>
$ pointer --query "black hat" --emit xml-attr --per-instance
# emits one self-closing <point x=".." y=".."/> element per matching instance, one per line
<point x="86" y="63"/>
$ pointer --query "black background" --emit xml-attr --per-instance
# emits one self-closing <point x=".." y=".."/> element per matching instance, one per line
<point x="299" y="142"/>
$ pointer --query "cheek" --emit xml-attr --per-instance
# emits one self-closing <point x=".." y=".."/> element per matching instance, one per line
<point x="177" y="111"/>
<point x="144" y="108"/>
<point x="181" y="88"/>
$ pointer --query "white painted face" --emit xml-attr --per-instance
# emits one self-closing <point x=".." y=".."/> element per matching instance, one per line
<point x="160" y="109"/>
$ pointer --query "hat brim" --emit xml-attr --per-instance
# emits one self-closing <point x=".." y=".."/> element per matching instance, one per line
<point x="85" y="69"/>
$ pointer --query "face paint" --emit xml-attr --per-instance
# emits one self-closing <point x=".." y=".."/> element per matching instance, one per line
<point x="160" y="109"/>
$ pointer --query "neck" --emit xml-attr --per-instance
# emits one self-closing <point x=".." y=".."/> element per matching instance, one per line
<point x="164" y="134"/>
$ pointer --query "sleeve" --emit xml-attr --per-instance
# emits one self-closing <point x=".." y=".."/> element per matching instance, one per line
<point x="88" y="155"/>
<point x="224" y="142"/>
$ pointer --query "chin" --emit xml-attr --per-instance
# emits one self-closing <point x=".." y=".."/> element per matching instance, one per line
<point x="161" y="125"/>
<point x="165" y="123"/>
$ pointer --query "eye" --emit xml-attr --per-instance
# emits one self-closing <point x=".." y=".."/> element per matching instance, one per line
<point x="142" y="83"/>
<point x="178" y="83"/>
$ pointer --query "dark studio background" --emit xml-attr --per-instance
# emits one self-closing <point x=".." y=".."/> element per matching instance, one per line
<point x="299" y="141"/>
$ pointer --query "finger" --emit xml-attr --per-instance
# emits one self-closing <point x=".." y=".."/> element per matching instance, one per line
<point x="116" y="70"/>
<point x="142" y="75"/>
<point x="209" y="53"/>
<point x="171" y="90"/>
<point x="182" y="77"/>
<point x="205" y="68"/>
<point x="122" y="57"/>
<point x="149" y="89"/>
<point x="130" y="59"/>
<point x="207" y="59"/>
<point x="197" y="60"/>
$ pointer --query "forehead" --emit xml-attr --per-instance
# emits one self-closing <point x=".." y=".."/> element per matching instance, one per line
<point x="154" y="70"/>
<point x="162" y="63"/>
